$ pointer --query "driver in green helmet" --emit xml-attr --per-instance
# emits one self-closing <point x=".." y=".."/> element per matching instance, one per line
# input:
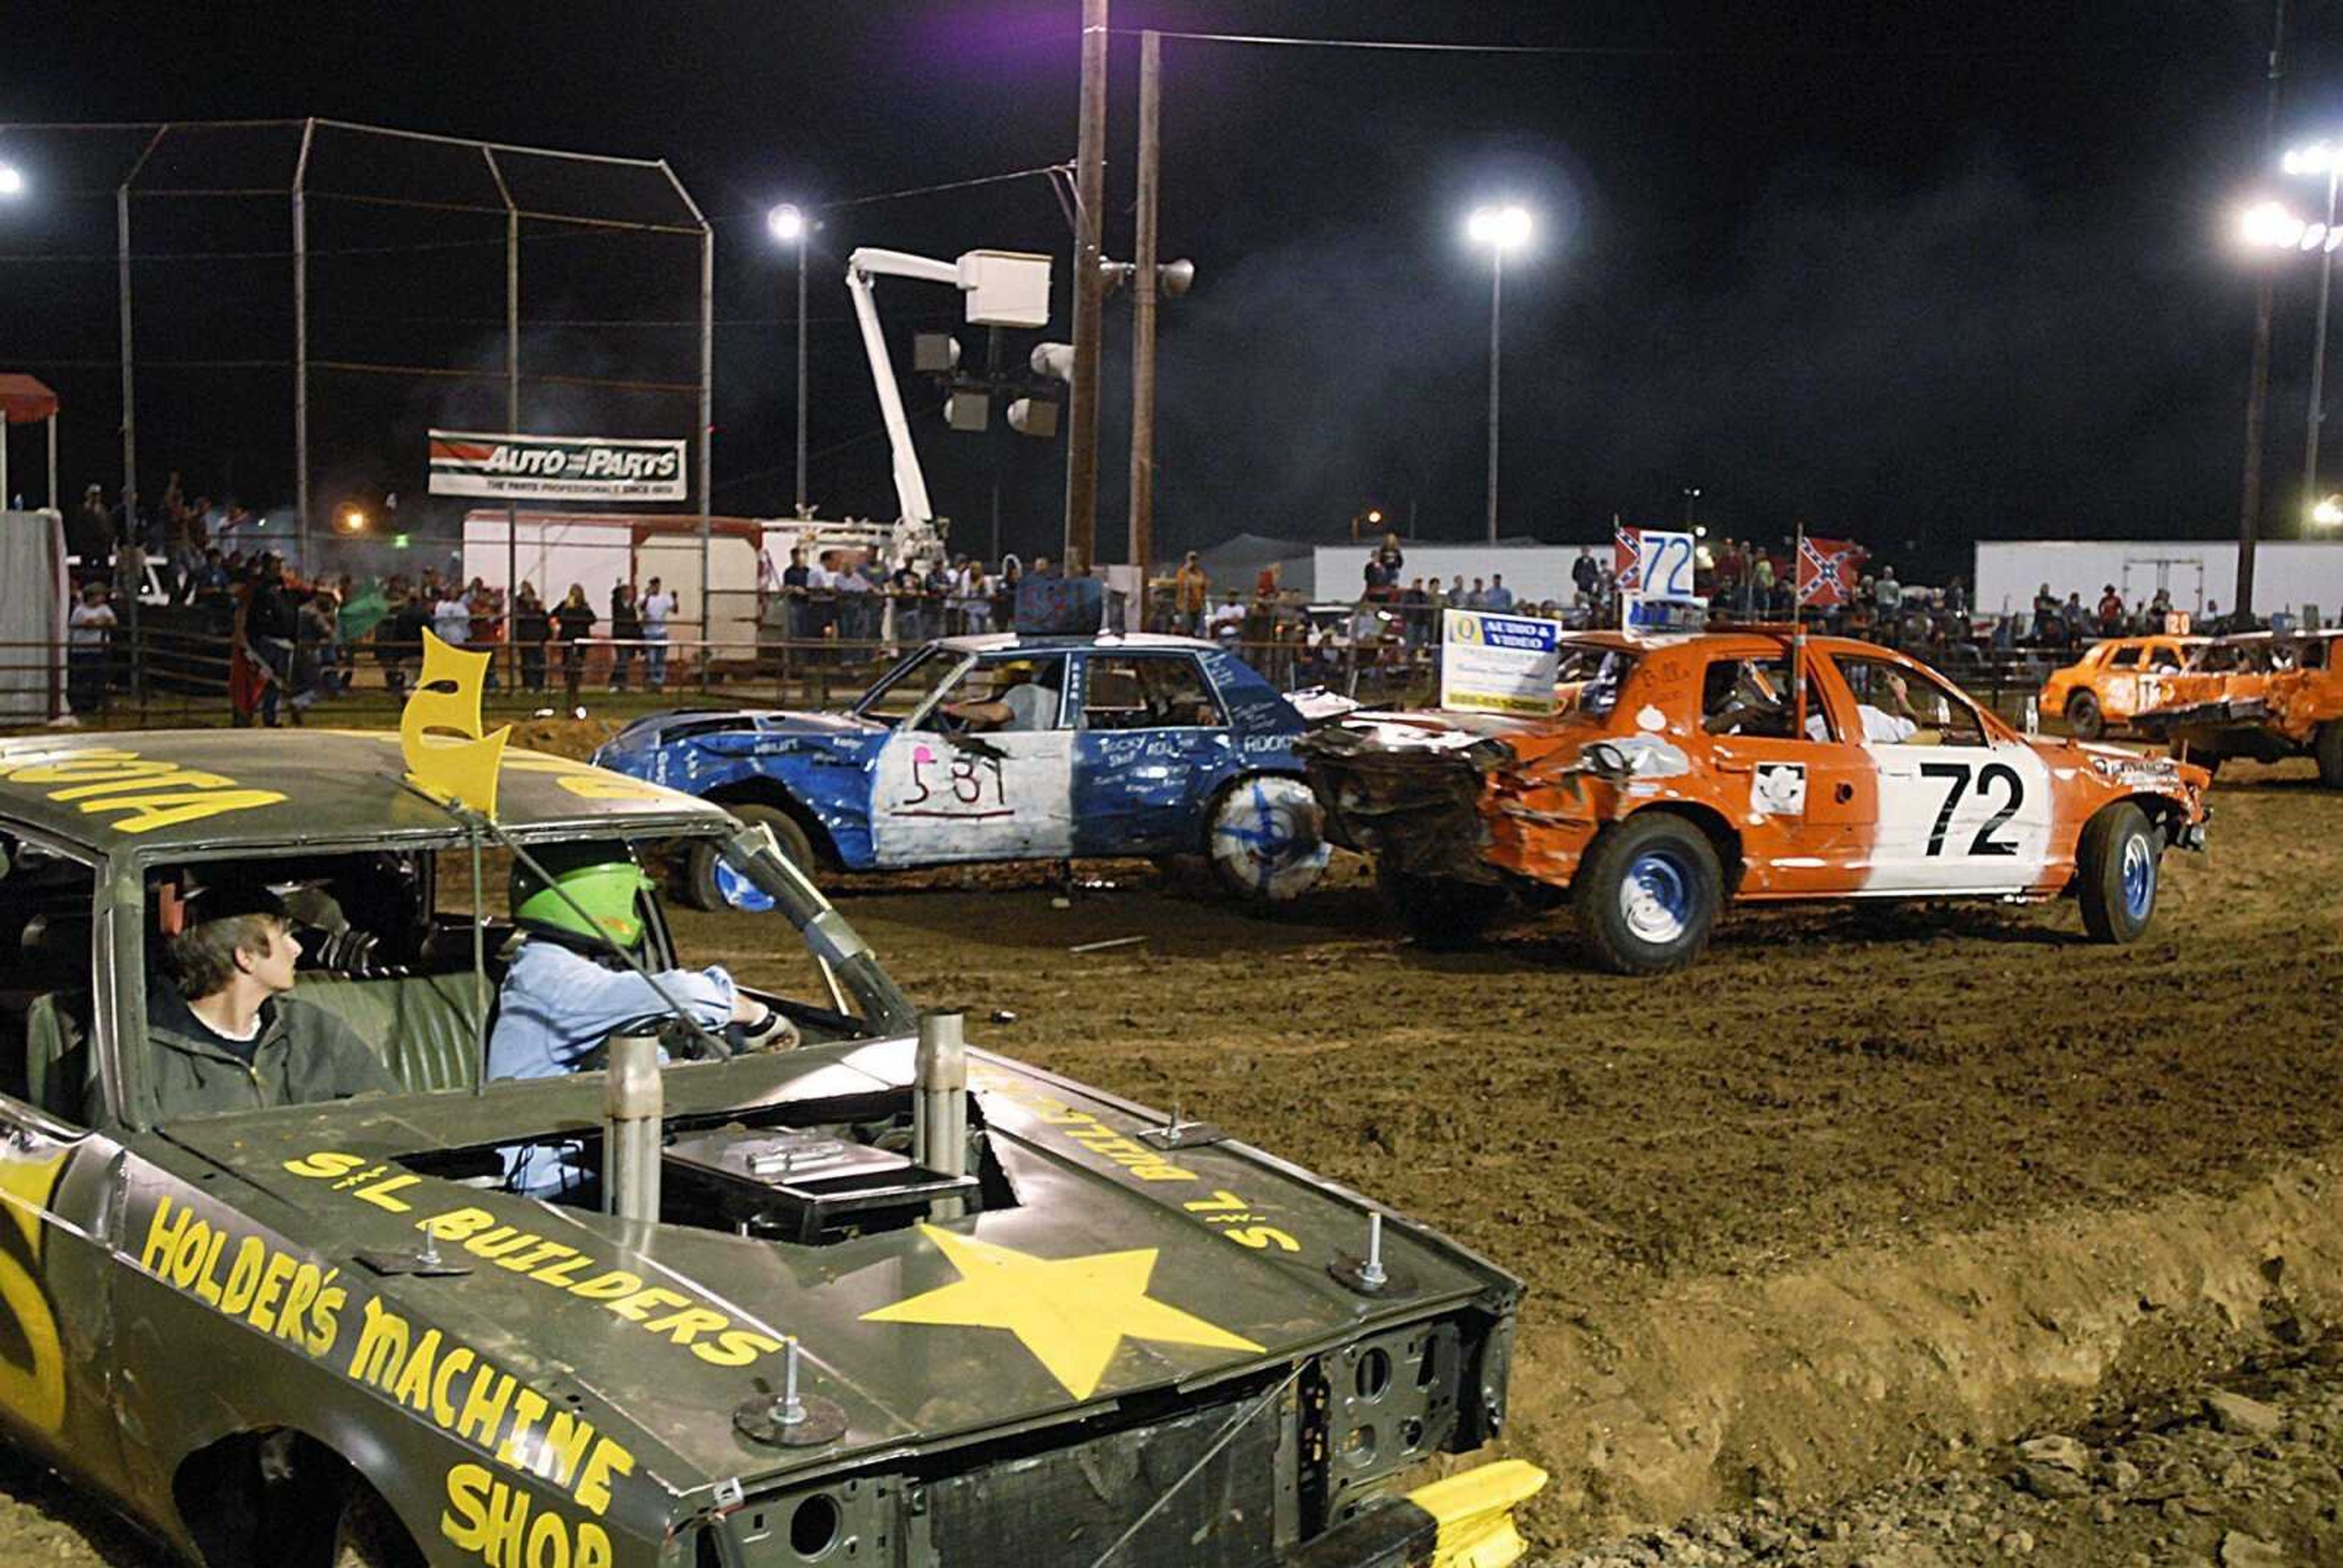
<point x="568" y="988"/>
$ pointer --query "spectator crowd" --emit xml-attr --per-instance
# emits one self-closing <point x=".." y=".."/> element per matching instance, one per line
<point x="290" y="641"/>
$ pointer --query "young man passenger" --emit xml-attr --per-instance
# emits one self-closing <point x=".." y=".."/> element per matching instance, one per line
<point x="226" y="1031"/>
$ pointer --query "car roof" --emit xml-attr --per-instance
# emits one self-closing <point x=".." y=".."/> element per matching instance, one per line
<point x="2324" y="632"/>
<point x="160" y="791"/>
<point x="1002" y="642"/>
<point x="1756" y="638"/>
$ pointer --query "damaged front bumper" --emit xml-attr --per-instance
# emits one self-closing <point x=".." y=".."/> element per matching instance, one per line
<point x="1282" y="1468"/>
<point x="1415" y="804"/>
<point x="1464" y="1522"/>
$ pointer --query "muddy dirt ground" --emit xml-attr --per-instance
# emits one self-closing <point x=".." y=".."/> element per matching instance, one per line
<point x="2241" y="1473"/>
<point x="1825" y="1080"/>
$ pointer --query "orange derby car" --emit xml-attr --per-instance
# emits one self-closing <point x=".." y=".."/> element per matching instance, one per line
<point x="2259" y="695"/>
<point x="1686" y="772"/>
<point x="2116" y="680"/>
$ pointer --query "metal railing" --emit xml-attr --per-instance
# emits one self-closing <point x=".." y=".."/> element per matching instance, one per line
<point x="804" y="654"/>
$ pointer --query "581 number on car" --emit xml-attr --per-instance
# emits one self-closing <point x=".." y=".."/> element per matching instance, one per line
<point x="1995" y="779"/>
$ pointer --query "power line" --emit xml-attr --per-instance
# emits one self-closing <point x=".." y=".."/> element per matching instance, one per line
<point x="1042" y="169"/>
<point x="1621" y="50"/>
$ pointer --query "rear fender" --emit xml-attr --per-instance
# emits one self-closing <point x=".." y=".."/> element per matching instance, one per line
<point x="1722" y="837"/>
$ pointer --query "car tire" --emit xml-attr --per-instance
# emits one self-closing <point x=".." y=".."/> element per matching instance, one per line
<point x="1440" y="913"/>
<point x="1266" y="839"/>
<point x="1648" y="893"/>
<point x="700" y="886"/>
<point x="370" y="1536"/>
<point x="2083" y="719"/>
<point x="2328" y="748"/>
<point x="2117" y="873"/>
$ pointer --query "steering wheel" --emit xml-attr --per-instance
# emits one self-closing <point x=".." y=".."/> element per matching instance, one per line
<point x="684" y="1043"/>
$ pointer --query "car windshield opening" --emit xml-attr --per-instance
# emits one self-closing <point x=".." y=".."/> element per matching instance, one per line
<point x="1590" y="676"/>
<point x="897" y="694"/>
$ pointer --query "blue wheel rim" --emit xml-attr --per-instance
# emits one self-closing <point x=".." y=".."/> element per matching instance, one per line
<point x="1259" y="834"/>
<point x="2138" y="877"/>
<point x="1656" y="897"/>
<point x="739" y="892"/>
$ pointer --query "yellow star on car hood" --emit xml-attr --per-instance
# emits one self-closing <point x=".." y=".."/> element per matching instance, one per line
<point x="1073" y="1314"/>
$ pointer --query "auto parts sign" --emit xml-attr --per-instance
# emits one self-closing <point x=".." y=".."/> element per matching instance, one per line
<point x="556" y="467"/>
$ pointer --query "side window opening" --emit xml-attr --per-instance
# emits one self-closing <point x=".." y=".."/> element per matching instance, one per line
<point x="46" y="950"/>
<point x="1018" y="692"/>
<point x="2126" y="657"/>
<point x="1157" y="691"/>
<point x="1904" y="705"/>
<point x="1751" y="697"/>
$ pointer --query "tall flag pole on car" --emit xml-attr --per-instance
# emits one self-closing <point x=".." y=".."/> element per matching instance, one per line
<point x="1798" y="633"/>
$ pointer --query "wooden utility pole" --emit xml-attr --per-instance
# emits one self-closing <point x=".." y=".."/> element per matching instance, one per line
<point x="2258" y="386"/>
<point x="1089" y="296"/>
<point x="1142" y="312"/>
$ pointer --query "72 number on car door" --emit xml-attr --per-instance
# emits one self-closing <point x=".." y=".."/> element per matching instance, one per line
<point x="1995" y="781"/>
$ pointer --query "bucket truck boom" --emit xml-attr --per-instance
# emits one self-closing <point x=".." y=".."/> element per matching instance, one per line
<point x="1003" y="289"/>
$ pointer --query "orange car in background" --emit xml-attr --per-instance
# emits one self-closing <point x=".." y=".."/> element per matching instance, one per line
<point x="2263" y="695"/>
<point x="2117" y="680"/>
<point x="1687" y="773"/>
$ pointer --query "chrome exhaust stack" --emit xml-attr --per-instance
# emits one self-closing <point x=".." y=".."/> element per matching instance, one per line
<point x="940" y="1103"/>
<point x="634" y="1111"/>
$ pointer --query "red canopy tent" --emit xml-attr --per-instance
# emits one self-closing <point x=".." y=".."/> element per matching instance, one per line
<point x="26" y="401"/>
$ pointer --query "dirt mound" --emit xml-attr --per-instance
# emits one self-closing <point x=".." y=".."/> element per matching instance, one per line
<point x="574" y="737"/>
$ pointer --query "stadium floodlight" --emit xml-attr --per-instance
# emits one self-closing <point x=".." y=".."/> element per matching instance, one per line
<point x="2268" y="225"/>
<point x="2315" y="158"/>
<point x="2328" y="512"/>
<point x="786" y="222"/>
<point x="1500" y="228"/>
<point x="1505" y="228"/>
<point x="12" y="180"/>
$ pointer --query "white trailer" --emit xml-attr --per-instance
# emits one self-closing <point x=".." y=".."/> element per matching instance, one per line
<point x="2295" y="575"/>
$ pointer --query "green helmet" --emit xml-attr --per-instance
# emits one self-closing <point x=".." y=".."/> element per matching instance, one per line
<point x="600" y="880"/>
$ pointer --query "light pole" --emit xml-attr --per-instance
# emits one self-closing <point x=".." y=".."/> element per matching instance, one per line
<point x="2318" y="158"/>
<point x="790" y="226"/>
<point x="2270" y="226"/>
<point x="1501" y="229"/>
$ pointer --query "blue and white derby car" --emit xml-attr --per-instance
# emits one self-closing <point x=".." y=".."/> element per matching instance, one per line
<point x="1013" y="747"/>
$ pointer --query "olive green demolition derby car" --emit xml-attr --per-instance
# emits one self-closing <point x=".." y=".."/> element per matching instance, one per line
<point x="886" y="1303"/>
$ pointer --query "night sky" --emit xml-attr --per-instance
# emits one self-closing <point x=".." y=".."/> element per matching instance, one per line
<point x="1918" y="276"/>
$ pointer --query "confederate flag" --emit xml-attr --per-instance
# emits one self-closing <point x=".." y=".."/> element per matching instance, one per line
<point x="1826" y="571"/>
<point x="1626" y="558"/>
